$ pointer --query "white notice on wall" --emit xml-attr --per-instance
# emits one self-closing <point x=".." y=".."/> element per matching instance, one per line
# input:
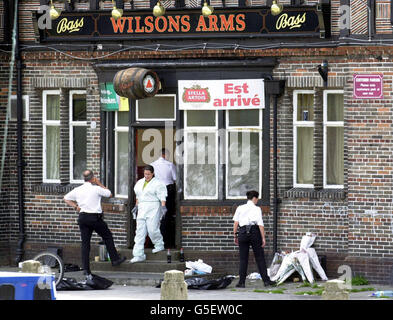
<point x="221" y="94"/>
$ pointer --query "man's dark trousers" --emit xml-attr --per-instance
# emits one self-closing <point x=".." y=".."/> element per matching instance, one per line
<point x="167" y="227"/>
<point x="254" y="239"/>
<point x="89" y="222"/>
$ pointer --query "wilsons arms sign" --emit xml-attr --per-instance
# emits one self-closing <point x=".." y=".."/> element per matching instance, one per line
<point x="235" y="22"/>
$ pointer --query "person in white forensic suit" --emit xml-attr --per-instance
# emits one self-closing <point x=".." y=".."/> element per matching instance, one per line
<point x="165" y="171"/>
<point x="151" y="196"/>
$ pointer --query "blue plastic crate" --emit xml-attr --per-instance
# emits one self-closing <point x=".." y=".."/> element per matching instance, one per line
<point x="27" y="286"/>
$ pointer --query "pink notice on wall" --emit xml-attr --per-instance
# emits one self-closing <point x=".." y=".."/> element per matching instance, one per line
<point x="368" y="86"/>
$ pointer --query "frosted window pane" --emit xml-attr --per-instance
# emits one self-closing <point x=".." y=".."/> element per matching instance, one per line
<point x="335" y="155"/>
<point x="243" y="163"/>
<point x="305" y="154"/>
<point x="52" y="107"/>
<point x="305" y="107"/>
<point x="156" y="108"/>
<point x="122" y="119"/>
<point x="204" y="118"/>
<point x="122" y="164"/>
<point x="335" y="107"/>
<point x="240" y="118"/>
<point x="201" y="165"/>
<point x="53" y="152"/>
<point x="79" y="107"/>
<point x="79" y="152"/>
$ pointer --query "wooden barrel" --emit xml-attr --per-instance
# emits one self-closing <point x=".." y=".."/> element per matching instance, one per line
<point x="136" y="83"/>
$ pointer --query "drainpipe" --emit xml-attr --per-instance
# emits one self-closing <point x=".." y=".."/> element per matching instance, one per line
<point x="21" y="164"/>
<point x="275" y="187"/>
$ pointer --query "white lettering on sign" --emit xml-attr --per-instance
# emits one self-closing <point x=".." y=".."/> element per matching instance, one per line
<point x="368" y="86"/>
<point x="221" y="94"/>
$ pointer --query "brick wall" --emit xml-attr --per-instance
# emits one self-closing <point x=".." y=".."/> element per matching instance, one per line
<point x="354" y="226"/>
<point x="47" y="219"/>
<point x="5" y="194"/>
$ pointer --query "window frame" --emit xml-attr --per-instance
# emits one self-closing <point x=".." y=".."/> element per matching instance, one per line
<point x="300" y="124"/>
<point x="195" y="129"/>
<point x="117" y="129"/>
<point x="326" y="124"/>
<point x="249" y="129"/>
<point x="157" y="119"/>
<point x="45" y="124"/>
<point x="73" y="124"/>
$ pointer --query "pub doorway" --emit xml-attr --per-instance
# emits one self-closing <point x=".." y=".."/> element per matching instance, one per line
<point x="154" y="131"/>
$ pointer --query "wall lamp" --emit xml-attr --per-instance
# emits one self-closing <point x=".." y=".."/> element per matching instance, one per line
<point x="207" y="10"/>
<point x="116" y="13"/>
<point x="323" y="70"/>
<point x="158" y="9"/>
<point x="276" y="8"/>
<point x="55" y="13"/>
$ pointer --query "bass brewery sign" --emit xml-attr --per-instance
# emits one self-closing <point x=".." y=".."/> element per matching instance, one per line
<point x="226" y="22"/>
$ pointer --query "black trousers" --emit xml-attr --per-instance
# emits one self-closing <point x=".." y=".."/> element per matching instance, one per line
<point x="254" y="239"/>
<point x="89" y="222"/>
<point x="168" y="228"/>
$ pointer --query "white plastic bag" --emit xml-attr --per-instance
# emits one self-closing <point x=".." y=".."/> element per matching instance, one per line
<point x="254" y="276"/>
<point x="286" y="269"/>
<point x="315" y="263"/>
<point x="188" y="272"/>
<point x="304" y="261"/>
<point x="307" y="241"/>
<point x="272" y="271"/>
<point x="275" y="265"/>
<point x="199" y="265"/>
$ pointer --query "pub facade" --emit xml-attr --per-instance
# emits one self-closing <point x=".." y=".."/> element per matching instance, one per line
<point x="296" y="105"/>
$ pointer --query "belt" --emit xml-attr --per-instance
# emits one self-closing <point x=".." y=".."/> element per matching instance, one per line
<point x="248" y="227"/>
<point x="91" y="213"/>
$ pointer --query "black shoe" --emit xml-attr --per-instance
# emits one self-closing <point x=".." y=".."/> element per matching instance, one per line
<point x="240" y="285"/>
<point x="269" y="283"/>
<point x="118" y="262"/>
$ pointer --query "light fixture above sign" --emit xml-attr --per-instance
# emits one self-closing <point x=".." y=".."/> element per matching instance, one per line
<point x="53" y="12"/>
<point x="116" y="13"/>
<point x="276" y="8"/>
<point x="207" y="10"/>
<point x="158" y="10"/>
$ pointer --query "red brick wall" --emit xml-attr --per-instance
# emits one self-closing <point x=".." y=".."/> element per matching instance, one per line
<point x="346" y="232"/>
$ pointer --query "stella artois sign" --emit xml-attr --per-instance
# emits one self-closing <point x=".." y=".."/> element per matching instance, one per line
<point x="221" y="94"/>
<point x="196" y="94"/>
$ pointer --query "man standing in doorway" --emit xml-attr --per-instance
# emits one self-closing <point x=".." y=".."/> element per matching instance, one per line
<point x="249" y="230"/>
<point x="86" y="200"/>
<point x="165" y="171"/>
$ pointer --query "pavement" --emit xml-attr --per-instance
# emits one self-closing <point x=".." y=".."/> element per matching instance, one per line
<point x="143" y="286"/>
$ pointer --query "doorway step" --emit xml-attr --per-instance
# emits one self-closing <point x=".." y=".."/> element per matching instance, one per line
<point x="154" y="263"/>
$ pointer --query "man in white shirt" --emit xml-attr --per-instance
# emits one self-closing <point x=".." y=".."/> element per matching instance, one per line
<point x="248" y="229"/>
<point x="86" y="199"/>
<point x="165" y="171"/>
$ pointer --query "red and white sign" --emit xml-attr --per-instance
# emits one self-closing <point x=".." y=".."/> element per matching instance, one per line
<point x="221" y="94"/>
<point x="368" y="86"/>
<point x="149" y="84"/>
